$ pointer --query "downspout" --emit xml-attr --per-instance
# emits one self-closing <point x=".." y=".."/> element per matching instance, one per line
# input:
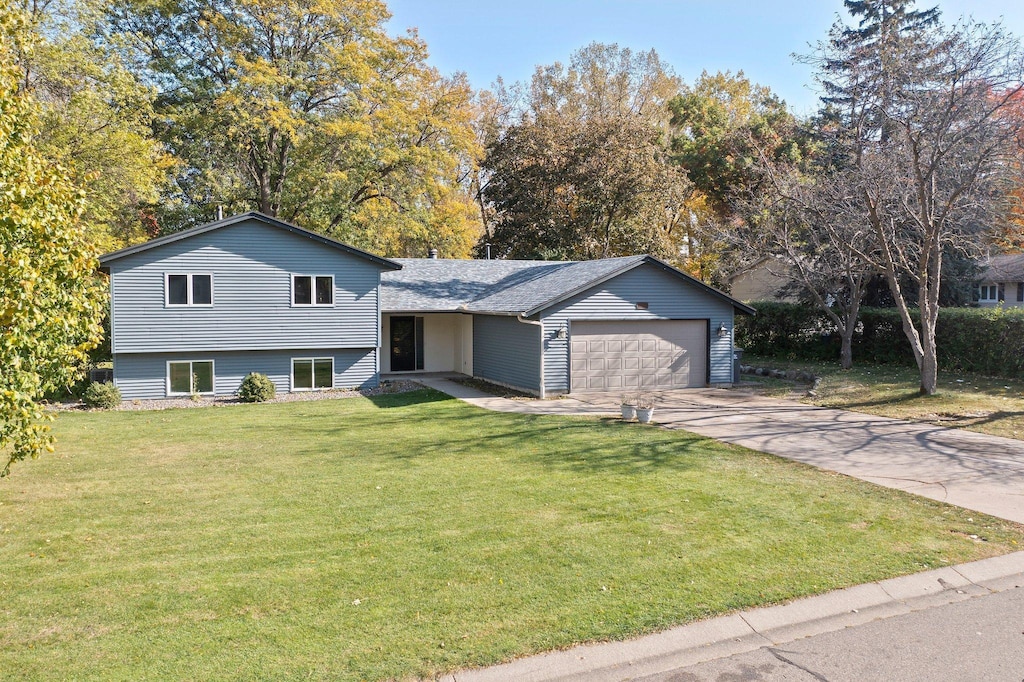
<point x="541" y="325"/>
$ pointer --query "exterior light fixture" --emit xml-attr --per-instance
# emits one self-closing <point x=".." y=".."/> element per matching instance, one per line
<point x="723" y="331"/>
<point x="562" y="333"/>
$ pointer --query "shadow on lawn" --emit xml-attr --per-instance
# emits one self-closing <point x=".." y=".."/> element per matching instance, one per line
<point x="409" y="398"/>
<point x="902" y="398"/>
<point x="570" y="443"/>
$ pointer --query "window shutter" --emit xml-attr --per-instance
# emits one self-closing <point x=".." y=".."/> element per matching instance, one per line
<point x="1020" y="291"/>
<point x="1002" y="292"/>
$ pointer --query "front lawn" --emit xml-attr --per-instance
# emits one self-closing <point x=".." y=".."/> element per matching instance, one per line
<point x="413" y="534"/>
<point x="986" y="404"/>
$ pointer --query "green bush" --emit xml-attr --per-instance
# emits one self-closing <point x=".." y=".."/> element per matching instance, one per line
<point x="103" y="395"/>
<point x="256" y="388"/>
<point x="987" y="341"/>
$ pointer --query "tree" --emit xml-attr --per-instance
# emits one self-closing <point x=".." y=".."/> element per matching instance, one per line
<point x="569" y="190"/>
<point x="808" y="219"/>
<point x="50" y="300"/>
<point x="580" y="170"/>
<point x="1011" y="238"/>
<point x="927" y="131"/>
<point x="95" y="119"/>
<point x="720" y="129"/>
<point x="307" y="111"/>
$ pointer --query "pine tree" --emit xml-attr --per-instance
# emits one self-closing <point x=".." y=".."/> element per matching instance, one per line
<point x="874" y="61"/>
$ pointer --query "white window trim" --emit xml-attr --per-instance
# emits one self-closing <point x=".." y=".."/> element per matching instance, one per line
<point x="291" y="383"/>
<point x="312" y="284"/>
<point x="985" y="289"/>
<point x="190" y="304"/>
<point x="213" y="372"/>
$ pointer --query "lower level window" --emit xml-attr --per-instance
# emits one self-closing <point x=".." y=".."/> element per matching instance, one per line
<point x="312" y="373"/>
<point x="184" y="378"/>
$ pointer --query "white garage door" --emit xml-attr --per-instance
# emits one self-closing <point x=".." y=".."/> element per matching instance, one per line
<point x="625" y="356"/>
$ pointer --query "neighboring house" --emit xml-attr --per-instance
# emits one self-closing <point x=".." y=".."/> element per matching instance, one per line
<point x="766" y="279"/>
<point x="1002" y="281"/>
<point x="195" y="311"/>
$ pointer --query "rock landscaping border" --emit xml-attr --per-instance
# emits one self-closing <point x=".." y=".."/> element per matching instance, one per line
<point x="796" y="375"/>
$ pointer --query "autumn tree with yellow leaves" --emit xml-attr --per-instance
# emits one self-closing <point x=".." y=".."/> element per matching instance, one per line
<point x="50" y="298"/>
<point x="307" y="110"/>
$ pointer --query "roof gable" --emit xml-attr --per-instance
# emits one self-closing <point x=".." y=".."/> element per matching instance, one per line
<point x="509" y="287"/>
<point x="383" y="263"/>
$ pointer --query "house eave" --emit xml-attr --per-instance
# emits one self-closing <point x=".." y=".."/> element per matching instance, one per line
<point x="108" y="258"/>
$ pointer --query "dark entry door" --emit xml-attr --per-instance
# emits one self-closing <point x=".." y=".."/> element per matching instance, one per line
<point x="403" y="344"/>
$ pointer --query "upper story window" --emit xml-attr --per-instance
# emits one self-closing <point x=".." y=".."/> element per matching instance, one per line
<point x="190" y="289"/>
<point x="312" y="290"/>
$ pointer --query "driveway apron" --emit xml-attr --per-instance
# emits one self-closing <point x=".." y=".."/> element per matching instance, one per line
<point x="972" y="470"/>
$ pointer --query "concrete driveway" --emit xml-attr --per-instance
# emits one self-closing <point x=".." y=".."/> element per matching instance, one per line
<point x="971" y="470"/>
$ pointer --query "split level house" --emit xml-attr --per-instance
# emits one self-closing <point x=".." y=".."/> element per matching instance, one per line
<point x="195" y="311"/>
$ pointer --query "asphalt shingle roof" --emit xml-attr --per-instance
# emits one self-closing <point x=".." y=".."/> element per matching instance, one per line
<point x="551" y="285"/>
<point x="503" y="286"/>
<point x="428" y="284"/>
<point x="1004" y="268"/>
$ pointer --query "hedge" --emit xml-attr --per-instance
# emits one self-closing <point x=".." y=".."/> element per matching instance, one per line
<point x="987" y="341"/>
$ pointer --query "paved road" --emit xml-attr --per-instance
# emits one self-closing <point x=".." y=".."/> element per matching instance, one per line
<point x="977" y="640"/>
<point x="971" y="470"/>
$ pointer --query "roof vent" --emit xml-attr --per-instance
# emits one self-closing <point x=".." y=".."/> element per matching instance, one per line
<point x="433" y="254"/>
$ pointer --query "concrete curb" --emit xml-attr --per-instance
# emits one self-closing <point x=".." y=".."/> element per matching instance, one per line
<point x="750" y="630"/>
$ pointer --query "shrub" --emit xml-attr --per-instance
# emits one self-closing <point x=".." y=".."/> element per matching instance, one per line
<point x="256" y="388"/>
<point x="102" y="395"/>
<point x="986" y="341"/>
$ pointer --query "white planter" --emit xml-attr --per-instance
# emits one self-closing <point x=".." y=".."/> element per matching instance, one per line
<point x="628" y="412"/>
<point x="644" y="414"/>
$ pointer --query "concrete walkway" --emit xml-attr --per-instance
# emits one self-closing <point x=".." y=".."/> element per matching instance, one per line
<point x="474" y="396"/>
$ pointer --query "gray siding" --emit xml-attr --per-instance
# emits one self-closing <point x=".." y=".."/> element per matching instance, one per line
<point x="251" y="264"/>
<point x="507" y="351"/>
<point x="668" y="298"/>
<point x="145" y="376"/>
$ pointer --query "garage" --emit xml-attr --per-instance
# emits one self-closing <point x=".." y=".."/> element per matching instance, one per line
<point x="638" y="355"/>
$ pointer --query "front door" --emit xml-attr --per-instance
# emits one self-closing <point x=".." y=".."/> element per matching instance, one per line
<point x="406" y="344"/>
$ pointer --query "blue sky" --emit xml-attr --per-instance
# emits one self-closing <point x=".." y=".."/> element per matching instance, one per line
<point x="486" y="39"/>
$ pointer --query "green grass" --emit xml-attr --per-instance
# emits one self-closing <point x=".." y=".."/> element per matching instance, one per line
<point x="411" y="534"/>
<point x="991" y="405"/>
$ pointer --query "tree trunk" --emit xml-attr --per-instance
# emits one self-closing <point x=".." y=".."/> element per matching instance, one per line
<point x="846" y="349"/>
<point x="929" y="360"/>
<point x="929" y="368"/>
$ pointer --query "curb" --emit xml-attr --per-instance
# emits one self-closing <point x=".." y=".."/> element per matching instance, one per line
<point x="750" y="630"/>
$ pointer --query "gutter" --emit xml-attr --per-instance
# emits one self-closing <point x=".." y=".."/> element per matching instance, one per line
<point x="541" y="325"/>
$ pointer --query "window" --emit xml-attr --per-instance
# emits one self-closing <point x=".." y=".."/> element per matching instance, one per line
<point x="189" y="289"/>
<point x="313" y="290"/>
<point x="989" y="292"/>
<point x="309" y="374"/>
<point x="185" y="378"/>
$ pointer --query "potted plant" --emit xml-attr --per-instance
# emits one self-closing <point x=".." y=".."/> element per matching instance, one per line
<point x="628" y="406"/>
<point x="644" y="408"/>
